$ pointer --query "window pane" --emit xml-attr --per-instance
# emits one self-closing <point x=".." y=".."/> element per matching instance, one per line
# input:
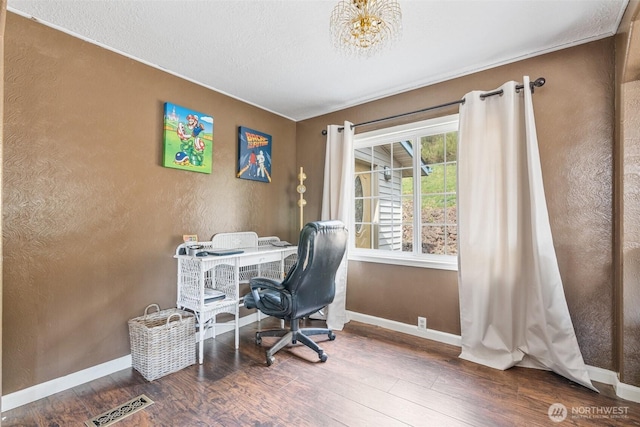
<point x="433" y="240"/>
<point x="451" y="177"/>
<point x="407" y="184"/>
<point x="359" y="211"/>
<point x="390" y="220"/>
<point x="432" y="149"/>
<point x="390" y="182"/>
<point x="402" y="155"/>
<point x="403" y="158"/>
<point x="364" y="236"/>
<point x="407" y="238"/>
<point x="407" y="209"/>
<point x="406" y="175"/>
<point x="362" y="197"/>
<point x="390" y="237"/>
<point x="433" y="209"/>
<point x="452" y="240"/>
<point x="452" y="147"/>
<point x="386" y="211"/>
<point x="434" y="183"/>
<point x="381" y="155"/>
<point x="359" y="204"/>
<point x="363" y="159"/>
<point x="451" y="209"/>
<point x="389" y="215"/>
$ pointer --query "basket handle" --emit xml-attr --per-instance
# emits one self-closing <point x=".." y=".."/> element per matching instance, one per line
<point x="149" y="306"/>
<point x="169" y="319"/>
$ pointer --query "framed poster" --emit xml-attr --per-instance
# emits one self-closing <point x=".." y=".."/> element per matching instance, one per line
<point x="254" y="155"/>
<point x="188" y="139"/>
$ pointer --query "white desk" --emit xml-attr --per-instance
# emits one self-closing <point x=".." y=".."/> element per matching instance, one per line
<point x="225" y="273"/>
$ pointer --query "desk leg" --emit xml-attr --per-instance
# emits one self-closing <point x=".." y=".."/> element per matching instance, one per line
<point x="282" y="273"/>
<point x="237" y="315"/>
<point x="201" y="344"/>
<point x="200" y="336"/>
<point x="201" y="320"/>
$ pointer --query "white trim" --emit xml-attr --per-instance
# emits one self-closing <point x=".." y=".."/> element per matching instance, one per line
<point x="602" y="375"/>
<point x="389" y="135"/>
<point x="39" y="391"/>
<point x="430" y="334"/>
<point x="436" y="125"/>
<point x="624" y="391"/>
<point x="627" y="392"/>
<point x="442" y="262"/>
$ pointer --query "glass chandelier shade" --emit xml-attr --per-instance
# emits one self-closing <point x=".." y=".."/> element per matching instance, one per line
<point x="365" y="27"/>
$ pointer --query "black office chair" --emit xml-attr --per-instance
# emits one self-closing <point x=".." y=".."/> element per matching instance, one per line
<point x="308" y="287"/>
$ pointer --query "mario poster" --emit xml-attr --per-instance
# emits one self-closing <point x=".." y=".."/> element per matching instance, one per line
<point x="188" y="139"/>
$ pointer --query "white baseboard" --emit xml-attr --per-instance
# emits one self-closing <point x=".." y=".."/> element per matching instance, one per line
<point x="602" y="375"/>
<point x="405" y="328"/>
<point x="605" y="376"/>
<point x="39" y="391"/>
<point x="627" y="392"/>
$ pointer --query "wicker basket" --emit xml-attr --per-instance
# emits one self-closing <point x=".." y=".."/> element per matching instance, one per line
<point x="162" y="342"/>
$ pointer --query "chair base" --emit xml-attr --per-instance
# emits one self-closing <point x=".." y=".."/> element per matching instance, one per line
<point x="292" y="336"/>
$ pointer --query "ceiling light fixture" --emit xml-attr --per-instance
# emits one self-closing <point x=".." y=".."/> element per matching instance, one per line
<point x="364" y="27"/>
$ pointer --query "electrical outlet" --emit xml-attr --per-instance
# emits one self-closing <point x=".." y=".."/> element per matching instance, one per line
<point x="422" y="323"/>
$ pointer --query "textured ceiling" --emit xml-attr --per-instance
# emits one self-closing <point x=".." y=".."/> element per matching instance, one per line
<point x="278" y="54"/>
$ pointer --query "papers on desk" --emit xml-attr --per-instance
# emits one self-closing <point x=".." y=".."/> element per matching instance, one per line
<point x="281" y="244"/>
<point x="211" y="295"/>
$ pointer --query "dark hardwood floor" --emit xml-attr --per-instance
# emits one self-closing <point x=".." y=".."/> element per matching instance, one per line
<point x="373" y="377"/>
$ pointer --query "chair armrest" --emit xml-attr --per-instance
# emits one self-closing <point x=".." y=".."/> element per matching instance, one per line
<point x="259" y="283"/>
<point x="265" y="283"/>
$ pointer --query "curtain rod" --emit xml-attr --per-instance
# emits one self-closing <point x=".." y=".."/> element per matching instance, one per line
<point x="540" y="81"/>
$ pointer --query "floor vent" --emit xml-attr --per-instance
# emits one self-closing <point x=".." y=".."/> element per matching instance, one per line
<point x="114" y="415"/>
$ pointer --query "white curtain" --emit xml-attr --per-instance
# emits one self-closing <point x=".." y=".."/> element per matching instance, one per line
<point x="336" y="204"/>
<point x="513" y="310"/>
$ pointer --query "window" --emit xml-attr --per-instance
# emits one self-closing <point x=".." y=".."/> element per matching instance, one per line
<point x="405" y="194"/>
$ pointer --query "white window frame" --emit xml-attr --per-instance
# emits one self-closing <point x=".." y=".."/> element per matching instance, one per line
<point x="389" y="135"/>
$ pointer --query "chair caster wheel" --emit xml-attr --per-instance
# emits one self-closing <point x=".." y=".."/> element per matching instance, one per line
<point x="270" y="360"/>
<point x="258" y="340"/>
<point x="323" y="357"/>
<point x="332" y="336"/>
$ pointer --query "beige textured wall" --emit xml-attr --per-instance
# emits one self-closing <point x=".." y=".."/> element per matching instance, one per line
<point x="91" y="217"/>
<point x="575" y="123"/>
<point x="627" y="207"/>
<point x="630" y="363"/>
<point x="3" y="17"/>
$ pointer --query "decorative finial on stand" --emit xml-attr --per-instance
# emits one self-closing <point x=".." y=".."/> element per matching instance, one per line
<point x="301" y="189"/>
